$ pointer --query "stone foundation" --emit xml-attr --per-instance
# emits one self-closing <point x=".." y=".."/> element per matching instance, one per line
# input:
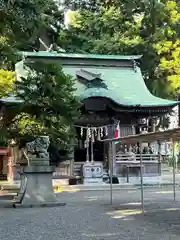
<point x="39" y="188"/>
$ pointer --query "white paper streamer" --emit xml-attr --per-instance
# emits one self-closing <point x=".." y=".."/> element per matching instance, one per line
<point x="81" y="131"/>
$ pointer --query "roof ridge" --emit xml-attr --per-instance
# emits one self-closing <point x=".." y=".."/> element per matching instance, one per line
<point x="79" y="55"/>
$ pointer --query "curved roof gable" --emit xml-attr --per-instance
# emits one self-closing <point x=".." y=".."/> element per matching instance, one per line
<point x="125" y="86"/>
<point x="110" y="76"/>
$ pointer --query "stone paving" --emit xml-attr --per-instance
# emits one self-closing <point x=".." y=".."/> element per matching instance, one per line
<point x="89" y="216"/>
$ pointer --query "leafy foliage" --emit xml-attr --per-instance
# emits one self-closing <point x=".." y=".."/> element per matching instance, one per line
<point x="8" y="53"/>
<point x="127" y="7"/>
<point x="102" y="32"/>
<point x="21" y="23"/>
<point x="169" y="49"/>
<point x="50" y="106"/>
<point x="148" y="27"/>
<point x="24" y="21"/>
<point x="128" y="27"/>
<point x="7" y="80"/>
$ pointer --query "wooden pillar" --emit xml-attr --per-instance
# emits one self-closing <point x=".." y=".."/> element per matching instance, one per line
<point x="141" y="173"/>
<point x="159" y="157"/>
<point x="71" y="159"/>
<point x="174" y="172"/>
<point x="10" y="173"/>
<point x="114" y="158"/>
<point x="153" y="127"/>
<point x="110" y="160"/>
<point x="12" y="156"/>
<point x="106" y="149"/>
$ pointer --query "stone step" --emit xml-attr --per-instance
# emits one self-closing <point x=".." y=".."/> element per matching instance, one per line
<point x="39" y="163"/>
<point x="10" y="188"/>
<point x="6" y="203"/>
<point x="5" y="195"/>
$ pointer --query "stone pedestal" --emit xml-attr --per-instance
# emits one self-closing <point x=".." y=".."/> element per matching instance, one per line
<point x="39" y="187"/>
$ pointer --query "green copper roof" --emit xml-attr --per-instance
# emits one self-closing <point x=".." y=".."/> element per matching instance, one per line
<point x="125" y="86"/>
<point x="43" y="54"/>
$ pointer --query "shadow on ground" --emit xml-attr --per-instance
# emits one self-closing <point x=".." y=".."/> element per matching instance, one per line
<point x="159" y="215"/>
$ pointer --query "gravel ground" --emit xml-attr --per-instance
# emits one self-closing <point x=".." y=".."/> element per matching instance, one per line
<point x="88" y="215"/>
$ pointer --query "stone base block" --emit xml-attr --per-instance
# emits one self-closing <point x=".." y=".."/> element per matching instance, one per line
<point x="39" y="162"/>
<point x="39" y="187"/>
<point x="92" y="180"/>
<point x="6" y="204"/>
<point x="40" y="205"/>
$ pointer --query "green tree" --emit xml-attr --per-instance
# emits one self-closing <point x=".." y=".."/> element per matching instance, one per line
<point x="127" y="7"/>
<point x="105" y="32"/>
<point x="22" y="22"/>
<point x="135" y="27"/>
<point x="49" y="103"/>
<point x="7" y="79"/>
<point x="169" y="49"/>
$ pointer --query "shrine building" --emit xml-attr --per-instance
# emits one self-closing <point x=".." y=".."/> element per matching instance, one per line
<point x="113" y="93"/>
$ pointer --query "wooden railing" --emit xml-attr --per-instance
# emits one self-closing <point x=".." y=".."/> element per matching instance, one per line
<point x="64" y="168"/>
<point x="129" y="165"/>
<point x="124" y="158"/>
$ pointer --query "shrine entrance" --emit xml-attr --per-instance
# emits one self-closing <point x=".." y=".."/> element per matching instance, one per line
<point x="80" y="154"/>
<point x="90" y="148"/>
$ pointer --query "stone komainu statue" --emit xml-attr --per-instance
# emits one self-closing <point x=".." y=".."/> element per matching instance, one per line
<point x="38" y="148"/>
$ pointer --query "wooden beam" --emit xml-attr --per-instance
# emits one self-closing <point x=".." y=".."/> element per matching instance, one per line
<point x="167" y="135"/>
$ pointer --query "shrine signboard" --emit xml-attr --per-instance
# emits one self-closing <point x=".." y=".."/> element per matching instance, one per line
<point x="92" y="172"/>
